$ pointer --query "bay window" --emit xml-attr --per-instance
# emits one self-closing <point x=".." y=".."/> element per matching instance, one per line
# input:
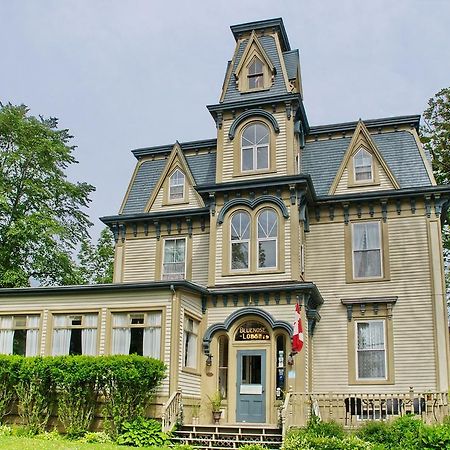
<point x="136" y="333"/>
<point x="19" y="335"/>
<point x="75" y="334"/>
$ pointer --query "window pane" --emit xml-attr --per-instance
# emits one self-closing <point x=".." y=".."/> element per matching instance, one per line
<point x="363" y="165"/>
<point x="367" y="263"/>
<point x="19" y="342"/>
<point x="261" y="134"/>
<point x="371" y="350"/>
<point x="239" y="255"/>
<point x="262" y="158"/>
<point x="267" y="224"/>
<point x="75" y="342"/>
<point x="136" y="344"/>
<point x="247" y="159"/>
<point x="267" y="254"/>
<point x="371" y="364"/>
<point x="366" y="236"/>
<point x="240" y="226"/>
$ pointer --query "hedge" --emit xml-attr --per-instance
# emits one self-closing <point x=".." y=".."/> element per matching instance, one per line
<point x="71" y="387"/>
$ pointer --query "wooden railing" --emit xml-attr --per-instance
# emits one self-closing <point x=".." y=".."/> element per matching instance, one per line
<point x="172" y="411"/>
<point x="353" y="409"/>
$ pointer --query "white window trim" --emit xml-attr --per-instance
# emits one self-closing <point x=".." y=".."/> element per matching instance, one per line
<point x="267" y="239"/>
<point x="254" y="149"/>
<point x="241" y="241"/>
<point x="380" y="248"/>
<point x="166" y="276"/>
<point x="368" y="180"/>
<point x="181" y="199"/>
<point x="386" y="369"/>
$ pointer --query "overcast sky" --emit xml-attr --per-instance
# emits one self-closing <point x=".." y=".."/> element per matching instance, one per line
<point x="136" y="73"/>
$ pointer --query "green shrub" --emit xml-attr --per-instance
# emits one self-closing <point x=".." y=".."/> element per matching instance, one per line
<point x="5" y="430"/>
<point x="128" y="385"/>
<point x="375" y="432"/>
<point x="9" y="368"/>
<point x="182" y="447"/>
<point x="50" y="436"/>
<point x="253" y="447"/>
<point x="318" y="428"/>
<point x="142" y="433"/>
<point x="96" y="438"/>
<point x="35" y="389"/>
<point x="77" y="382"/>
<point x="436" y="437"/>
<point x="307" y="441"/>
<point x="405" y="433"/>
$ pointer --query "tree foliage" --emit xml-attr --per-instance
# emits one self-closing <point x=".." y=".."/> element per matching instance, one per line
<point x="42" y="216"/>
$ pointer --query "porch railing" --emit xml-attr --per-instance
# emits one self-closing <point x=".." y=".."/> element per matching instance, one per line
<point x="172" y="411"/>
<point x="353" y="409"/>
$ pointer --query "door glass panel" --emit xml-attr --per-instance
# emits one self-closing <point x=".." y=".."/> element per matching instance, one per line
<point x="251" y="369"/>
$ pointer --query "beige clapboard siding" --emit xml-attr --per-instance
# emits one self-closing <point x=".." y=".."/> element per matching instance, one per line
<point x="190" y="383"/>
<point x="192" y="201"/>
<point x="200" y="258"/>
<point x="139" y="260"/>
<point x="413" y="349"/>
<point x="222" y="247"/>
<point x="281" y="155"/>
<point x="278" y="312"/>
<point x="342" y="187"/>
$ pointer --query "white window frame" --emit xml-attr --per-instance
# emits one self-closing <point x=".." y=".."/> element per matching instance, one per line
<point x="129" y="325"/>
<point x="254" y="148"/>
<point x="267" y="239"/>
<point x="386" y="371"/>
<point x="173" y="275"/>
<point x="380" y="248"/>
<point x="17" y="326"/>
<point x="241" y="241"/>
<point x="175" y="183"/>
<point x="363" y="151"/>
<point x="186" y="337"/>
<point x="256" y="75"/>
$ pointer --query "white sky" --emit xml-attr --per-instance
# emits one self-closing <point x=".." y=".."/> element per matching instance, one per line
<point x="127" y="74"/>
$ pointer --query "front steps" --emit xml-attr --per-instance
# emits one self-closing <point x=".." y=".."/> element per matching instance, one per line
<point x="220" y="437"/>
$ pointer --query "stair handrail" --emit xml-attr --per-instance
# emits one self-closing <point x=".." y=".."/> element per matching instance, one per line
<point x="285" y="422"/>
<point x="172" y="411"/>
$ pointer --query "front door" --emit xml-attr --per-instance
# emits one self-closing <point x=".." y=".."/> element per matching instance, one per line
<point x="251" y="386"/>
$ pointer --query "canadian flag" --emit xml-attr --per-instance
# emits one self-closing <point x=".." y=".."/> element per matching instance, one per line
<point x="297" y="337"/>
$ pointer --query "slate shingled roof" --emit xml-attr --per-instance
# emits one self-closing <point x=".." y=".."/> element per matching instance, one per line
<point x="232" y="93"/>
<point x="202" y="166"/>
<point x="321" y="159"/>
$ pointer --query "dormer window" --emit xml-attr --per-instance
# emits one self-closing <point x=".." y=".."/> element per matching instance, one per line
<point x="176" y="186"/>
<point x="363" y="166"/>
<point x="255" y="74"/>
<point x="255" y="147"/>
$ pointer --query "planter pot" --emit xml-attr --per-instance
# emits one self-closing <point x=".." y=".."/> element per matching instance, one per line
<point x="216" y="416"/>
<point x="195" y="421"/>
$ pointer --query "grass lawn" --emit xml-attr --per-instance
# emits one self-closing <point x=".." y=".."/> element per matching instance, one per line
<point x="20" y="443"/>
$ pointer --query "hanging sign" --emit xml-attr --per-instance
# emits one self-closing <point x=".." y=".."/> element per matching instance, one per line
<point x="252" y="331"/>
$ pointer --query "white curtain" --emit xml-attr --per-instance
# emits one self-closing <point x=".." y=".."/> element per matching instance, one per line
<point x="121" y="337"/>
<point x="31" y="347"/>
<point x="367" y="249"/>
<point x="6" y="335"/>
<point x="371" y="351"/>
<point x="61" y="336"/>
<point x="89" y="335"/>
<point x="152" y="335"/>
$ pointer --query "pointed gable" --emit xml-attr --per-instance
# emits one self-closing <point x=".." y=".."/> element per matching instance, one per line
<point x="175" y="178"/>
<point x="363" y="167"/>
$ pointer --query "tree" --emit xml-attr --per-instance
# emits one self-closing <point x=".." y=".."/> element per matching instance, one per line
<point x="96" y="262"/>
<point x="42" y="216"/>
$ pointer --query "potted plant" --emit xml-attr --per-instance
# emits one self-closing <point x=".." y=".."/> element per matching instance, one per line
<point x="216" y="403"/>
<point x="195" y="413"/>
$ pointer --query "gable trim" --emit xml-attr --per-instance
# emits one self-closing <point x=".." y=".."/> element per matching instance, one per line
<point x="361" y="129"/>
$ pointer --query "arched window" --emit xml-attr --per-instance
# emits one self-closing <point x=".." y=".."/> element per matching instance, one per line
<point x="255" y="147"/>
<point x="176" y="185"/>
<point x="240" y="240"/>
<point x="255" y="74"/>
<point x="267" y="238"/>
<point x="362" y="163"/>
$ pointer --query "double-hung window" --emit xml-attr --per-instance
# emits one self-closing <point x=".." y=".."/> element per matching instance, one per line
<point x="255" y="74"/>
<point x="267" y="238"/>
<point x="363" y="166"/>
<point x="190" y="340"/>
<point x="240" y="240"/>
<point x="366" y="250"/>
<point x="19" y="335"/>
<point x="74" y="334"/>
<point x="255" y="147"/>
<point x="174" y="264"/>
<point x="136" y="333"/>
<point x="371" y="349"/>
<point x="176" y="186"/>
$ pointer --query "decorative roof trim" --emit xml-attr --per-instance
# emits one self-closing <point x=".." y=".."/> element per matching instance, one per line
<point x="250" y="113"/>
<point x="357" y="301"/>
<point x="225" y="326"/>
<point x="252" y="204"/>
<point x="268" y="100"/>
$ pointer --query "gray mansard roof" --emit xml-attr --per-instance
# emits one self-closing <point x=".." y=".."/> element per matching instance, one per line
<point x="320" y="159"/>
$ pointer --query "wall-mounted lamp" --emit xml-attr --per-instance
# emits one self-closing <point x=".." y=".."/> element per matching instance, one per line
<point x="209" y="359"/>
